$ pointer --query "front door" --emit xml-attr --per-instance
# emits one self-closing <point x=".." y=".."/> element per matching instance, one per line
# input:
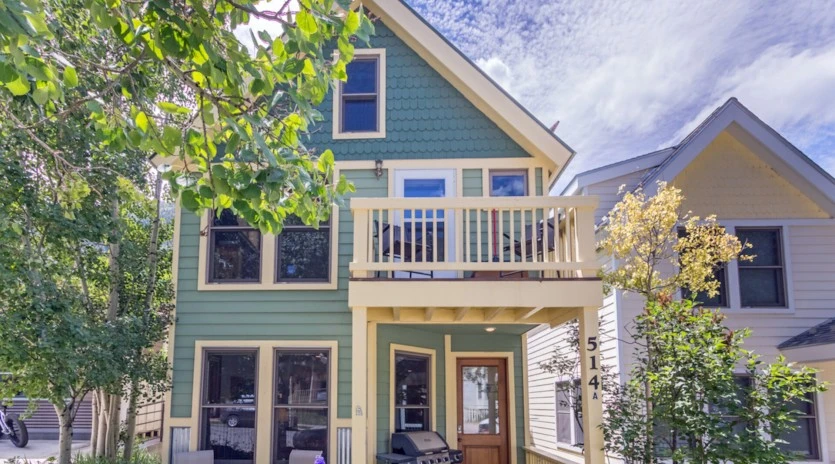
<point x="439" y="223"/>
<point x="482" y="410"/>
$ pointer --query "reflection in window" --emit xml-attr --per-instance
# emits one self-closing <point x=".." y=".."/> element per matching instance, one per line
<point x="228" y="405"/>
<point x="508" y="183"/>
<point x="234" y="249"/>
<point x="360" y="96"/>
<point x="411" y="392"/>
<point x="435" y="219"/>
<point x="762" y="281"/>
<point x="569" y="413"/>
<point x="303" y="253"/>
<point x="480" y="394"/>
<point x="301" y="405"/>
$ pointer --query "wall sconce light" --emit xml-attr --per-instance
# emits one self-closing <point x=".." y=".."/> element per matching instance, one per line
<point x="378" y="168"/>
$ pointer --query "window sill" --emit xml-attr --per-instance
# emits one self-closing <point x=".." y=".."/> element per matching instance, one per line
<point x="359" y="135"/>
<point x="757" y="310"/>
<point x="569" y="448"/>
<point x="221" y="287"/>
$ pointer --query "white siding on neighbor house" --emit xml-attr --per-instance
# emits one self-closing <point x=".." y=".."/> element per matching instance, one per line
<point x="608" y="192"/>
<point x="542" y="384"/>
<point x="826" y="407"/>
<point x="810" y="254"/>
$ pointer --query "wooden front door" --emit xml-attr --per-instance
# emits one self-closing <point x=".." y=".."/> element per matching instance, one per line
<point x="482" y="410"/>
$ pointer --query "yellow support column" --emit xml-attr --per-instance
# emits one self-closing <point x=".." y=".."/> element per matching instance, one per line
<point x="590" y="384"/>
<point x="359" y="385"/>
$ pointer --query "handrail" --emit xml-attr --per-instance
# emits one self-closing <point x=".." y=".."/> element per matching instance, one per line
<point x="471" y="236"/>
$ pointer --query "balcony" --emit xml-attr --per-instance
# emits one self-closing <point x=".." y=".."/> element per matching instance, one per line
<point x="520" y="254"/>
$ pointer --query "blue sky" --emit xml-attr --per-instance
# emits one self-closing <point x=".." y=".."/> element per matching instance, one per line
<point x="626" y="78"/>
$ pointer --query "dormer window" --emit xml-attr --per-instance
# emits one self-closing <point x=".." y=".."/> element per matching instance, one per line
<point x="359" y="103"/>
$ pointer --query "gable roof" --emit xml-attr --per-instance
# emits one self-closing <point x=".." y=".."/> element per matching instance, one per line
<point x="614" y="170"/>
<point x="507" y="113"/>
<point x="821" y="334"/>
<point x="732" y="116"/>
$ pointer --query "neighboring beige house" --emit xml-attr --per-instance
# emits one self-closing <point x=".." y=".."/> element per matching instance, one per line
<point x="767" y="192"/>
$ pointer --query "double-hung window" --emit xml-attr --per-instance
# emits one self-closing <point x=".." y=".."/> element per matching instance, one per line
<point x="762" y="281"/>
<point x="234" y="249"/>
<point x="569" y="413"/>
<point x="301" y="404"/>
<point x="359" y="105"/>
<point x="303" y="252"/>
<point x="228" y="404"/>
<point x="411" y="392"/>
<point x="720" y="300"/>
<point x="803" y="441"/>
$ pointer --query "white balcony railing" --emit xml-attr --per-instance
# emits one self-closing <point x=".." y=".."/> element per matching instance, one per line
<point x="474" y="237"/>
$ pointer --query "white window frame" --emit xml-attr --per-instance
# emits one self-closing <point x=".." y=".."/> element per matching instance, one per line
<point x="337" y="133"/>
<point x="572" y="430"/>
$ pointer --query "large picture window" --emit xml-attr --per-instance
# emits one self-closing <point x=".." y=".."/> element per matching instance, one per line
<point x="228" y="405"/>
<point x="301" y="404"/>
<point x="234" y="249"/>
<point x="303" y="253"/>
<point x="411" y="392"/>
<point x="762" y="281"/>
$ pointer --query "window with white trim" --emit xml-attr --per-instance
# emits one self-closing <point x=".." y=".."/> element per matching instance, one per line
<point x="301" y="404"/>
<point x="234" y="250"/>
<point x="359" y="102"/>
<point x="569" y="413"/>
<point x="412" y="407"/>
<point x="228" y="404"/>
<point x="762" y="281"/>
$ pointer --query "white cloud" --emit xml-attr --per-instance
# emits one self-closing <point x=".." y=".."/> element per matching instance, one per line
<point x="625" y="77"/>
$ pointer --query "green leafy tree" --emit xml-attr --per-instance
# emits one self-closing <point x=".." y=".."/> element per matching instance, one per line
<point x="682" y="400"/>
<point x="704" y="411"/>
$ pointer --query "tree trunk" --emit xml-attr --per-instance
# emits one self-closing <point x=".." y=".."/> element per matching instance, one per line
<point x="64" y="434"/>
<point x="101" y="440"/>
<point x="153" y="248"/>
<point x="113" y="430"/>
<point x="130" y="433"/>
<point x="94" y="431"/>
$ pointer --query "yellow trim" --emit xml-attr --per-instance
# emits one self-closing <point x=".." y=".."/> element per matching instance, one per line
<point x="433" y="377"/>
<point x="485" y="95"/>
<point x="449" y="163"/>
<point x="452" y="394"/>
<point x="359" y="384"/>
<point x="526" y="391"/>
<point x="336" y="133"/>
<point x="372" y="392"/>
<point x="265" y="384"/>
<point x="450" y="386"/>
<point x="268" y="264"/>
<point x="168" y="421"/>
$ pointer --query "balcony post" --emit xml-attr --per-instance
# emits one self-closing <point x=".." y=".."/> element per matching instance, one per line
<point x="361" y="233"/>
<point x="359" y="384"/>
<point x="586" y="246"/>
<point x="591" y="385"/>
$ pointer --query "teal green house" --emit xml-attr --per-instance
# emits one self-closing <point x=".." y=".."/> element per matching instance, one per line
<point x="409" y="310"/>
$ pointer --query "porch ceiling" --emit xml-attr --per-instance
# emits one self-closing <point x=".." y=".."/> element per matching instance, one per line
<point x="471" y="318"/>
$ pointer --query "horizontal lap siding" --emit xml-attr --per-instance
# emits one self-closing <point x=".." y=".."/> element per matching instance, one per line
<point x="386" y="335"/>
<point x="608" y="192"/>
<point x="43" y="421"/>
<point x="265" y="315"/>
<point x="811" y="252"/>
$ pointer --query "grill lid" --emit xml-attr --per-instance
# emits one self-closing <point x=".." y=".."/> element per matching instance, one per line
<point x="418" y="443"/>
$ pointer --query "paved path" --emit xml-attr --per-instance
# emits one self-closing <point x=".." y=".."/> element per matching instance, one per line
<point x="37" y="450"/>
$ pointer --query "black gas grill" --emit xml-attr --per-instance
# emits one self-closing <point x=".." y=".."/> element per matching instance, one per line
<point x="420" y="448"/>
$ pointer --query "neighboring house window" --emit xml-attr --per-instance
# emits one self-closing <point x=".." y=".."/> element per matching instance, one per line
<point x="301" y="404"/>
<point x="302" y="252"/>
<point x="762" y="281"/>
<point x="360" y="101"/>
<point x="411" y="392"/>
<point x="228" y="405"/>
<point x="569" y="413"/>
<point x="804" y="441"/>
<point x="234" y="249"/>
<point x="509" y="183"/>
<point x="720" y="300"/>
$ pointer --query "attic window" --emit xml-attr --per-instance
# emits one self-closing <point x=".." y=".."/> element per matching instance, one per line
<point x="359" y="103"/>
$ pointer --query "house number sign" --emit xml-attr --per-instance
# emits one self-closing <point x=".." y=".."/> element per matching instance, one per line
<point x="594" y="382"/>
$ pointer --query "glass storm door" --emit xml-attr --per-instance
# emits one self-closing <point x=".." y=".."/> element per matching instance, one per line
<point x="431" y="228"/>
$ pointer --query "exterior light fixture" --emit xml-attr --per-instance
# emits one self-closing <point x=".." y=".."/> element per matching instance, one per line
<point x="489" y="329"/>
<point x="378" y="168"/>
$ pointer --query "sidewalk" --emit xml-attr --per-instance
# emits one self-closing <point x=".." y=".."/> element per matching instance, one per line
<point x="36" y="451"/>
